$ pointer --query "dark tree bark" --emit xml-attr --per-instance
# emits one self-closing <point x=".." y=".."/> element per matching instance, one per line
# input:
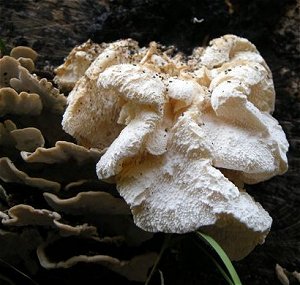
<point x="53" y="27"/>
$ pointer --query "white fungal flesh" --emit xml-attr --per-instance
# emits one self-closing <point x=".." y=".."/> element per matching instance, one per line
<point x="172" y="132"/>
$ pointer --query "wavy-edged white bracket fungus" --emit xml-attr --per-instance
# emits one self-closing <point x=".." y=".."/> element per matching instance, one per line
<point x="181" y="141"/>
<point x="24" y="52"/>
<point x="134" y="267"/>
<point x="20" y="104"/>
<point x="25" y="215"/>
<point x="14" y="75"/>
<point x="62" y="151"/>
<point x="27" y="139"/>
<point x="86" y="203"/>
<point x="103" y="209"/>
<point x="30" y="107"/>
<point x="26" y="56"/>
<point x="10" y="174"/>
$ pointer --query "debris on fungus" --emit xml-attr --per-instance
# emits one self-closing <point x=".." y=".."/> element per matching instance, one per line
<point x="75" y="65"/>
<point x="172" y="126"/>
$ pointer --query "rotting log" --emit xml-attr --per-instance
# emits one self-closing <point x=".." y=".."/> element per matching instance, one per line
<point x="53" y="27"/>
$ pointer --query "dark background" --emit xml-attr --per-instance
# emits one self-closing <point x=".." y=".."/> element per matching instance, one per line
<point x="54" y="27"/>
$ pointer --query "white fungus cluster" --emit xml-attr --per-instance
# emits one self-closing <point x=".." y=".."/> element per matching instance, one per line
<point x="181" y="134"/>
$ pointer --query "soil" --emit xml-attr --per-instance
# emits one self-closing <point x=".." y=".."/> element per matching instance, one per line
<point x="53" y="27"/>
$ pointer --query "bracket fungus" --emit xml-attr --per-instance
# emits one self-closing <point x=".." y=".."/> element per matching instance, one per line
<point x="86" y="203"/>
<point x="183" y="134"/>
<point x="38" y="159"/>
<point x="24" y="103"/>
<point x="10" y="174"/>
<point x="14" y="75"/>
<point x="103" y="209"/>
<point x="133" y="266"/>
<point x="27" y="139"/>
<point x="25" y="215"/>
<point x="61" y="152"/>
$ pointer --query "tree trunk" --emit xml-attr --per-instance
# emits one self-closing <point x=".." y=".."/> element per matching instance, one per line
<point x="54" y="27"/>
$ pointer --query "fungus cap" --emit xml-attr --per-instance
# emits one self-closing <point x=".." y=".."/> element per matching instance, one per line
<point x="178" y="131"/>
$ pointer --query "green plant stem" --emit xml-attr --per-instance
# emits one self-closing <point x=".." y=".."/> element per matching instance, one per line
<point x="234" y="280"/>
<point x="25" y="278"/>
<point x="226" y="277"/>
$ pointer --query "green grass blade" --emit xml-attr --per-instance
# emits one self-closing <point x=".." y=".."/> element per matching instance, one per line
<point x="12" y="275"/>
<point x="234" y="278"/>
<point x="219" y="267"/>
<point x="222" y="271"/>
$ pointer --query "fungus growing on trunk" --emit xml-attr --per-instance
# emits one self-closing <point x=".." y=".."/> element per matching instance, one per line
<point x="173" y="132"/>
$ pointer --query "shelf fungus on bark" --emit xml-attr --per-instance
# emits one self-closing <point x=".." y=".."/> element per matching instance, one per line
<point x="9" y="173"/>
<point x="19" y="104"/>
<point x="18" y="77"/>
<point x="90" y="203"/>
<point x="102" y="209"/>
<point x="26" y="139"/>
<point x="39" y="159"/>
<point x="25" y="215"/>
<point x="62" y="152"/>
<point x="108" y="251"/>
<point x="172" y="133"/>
